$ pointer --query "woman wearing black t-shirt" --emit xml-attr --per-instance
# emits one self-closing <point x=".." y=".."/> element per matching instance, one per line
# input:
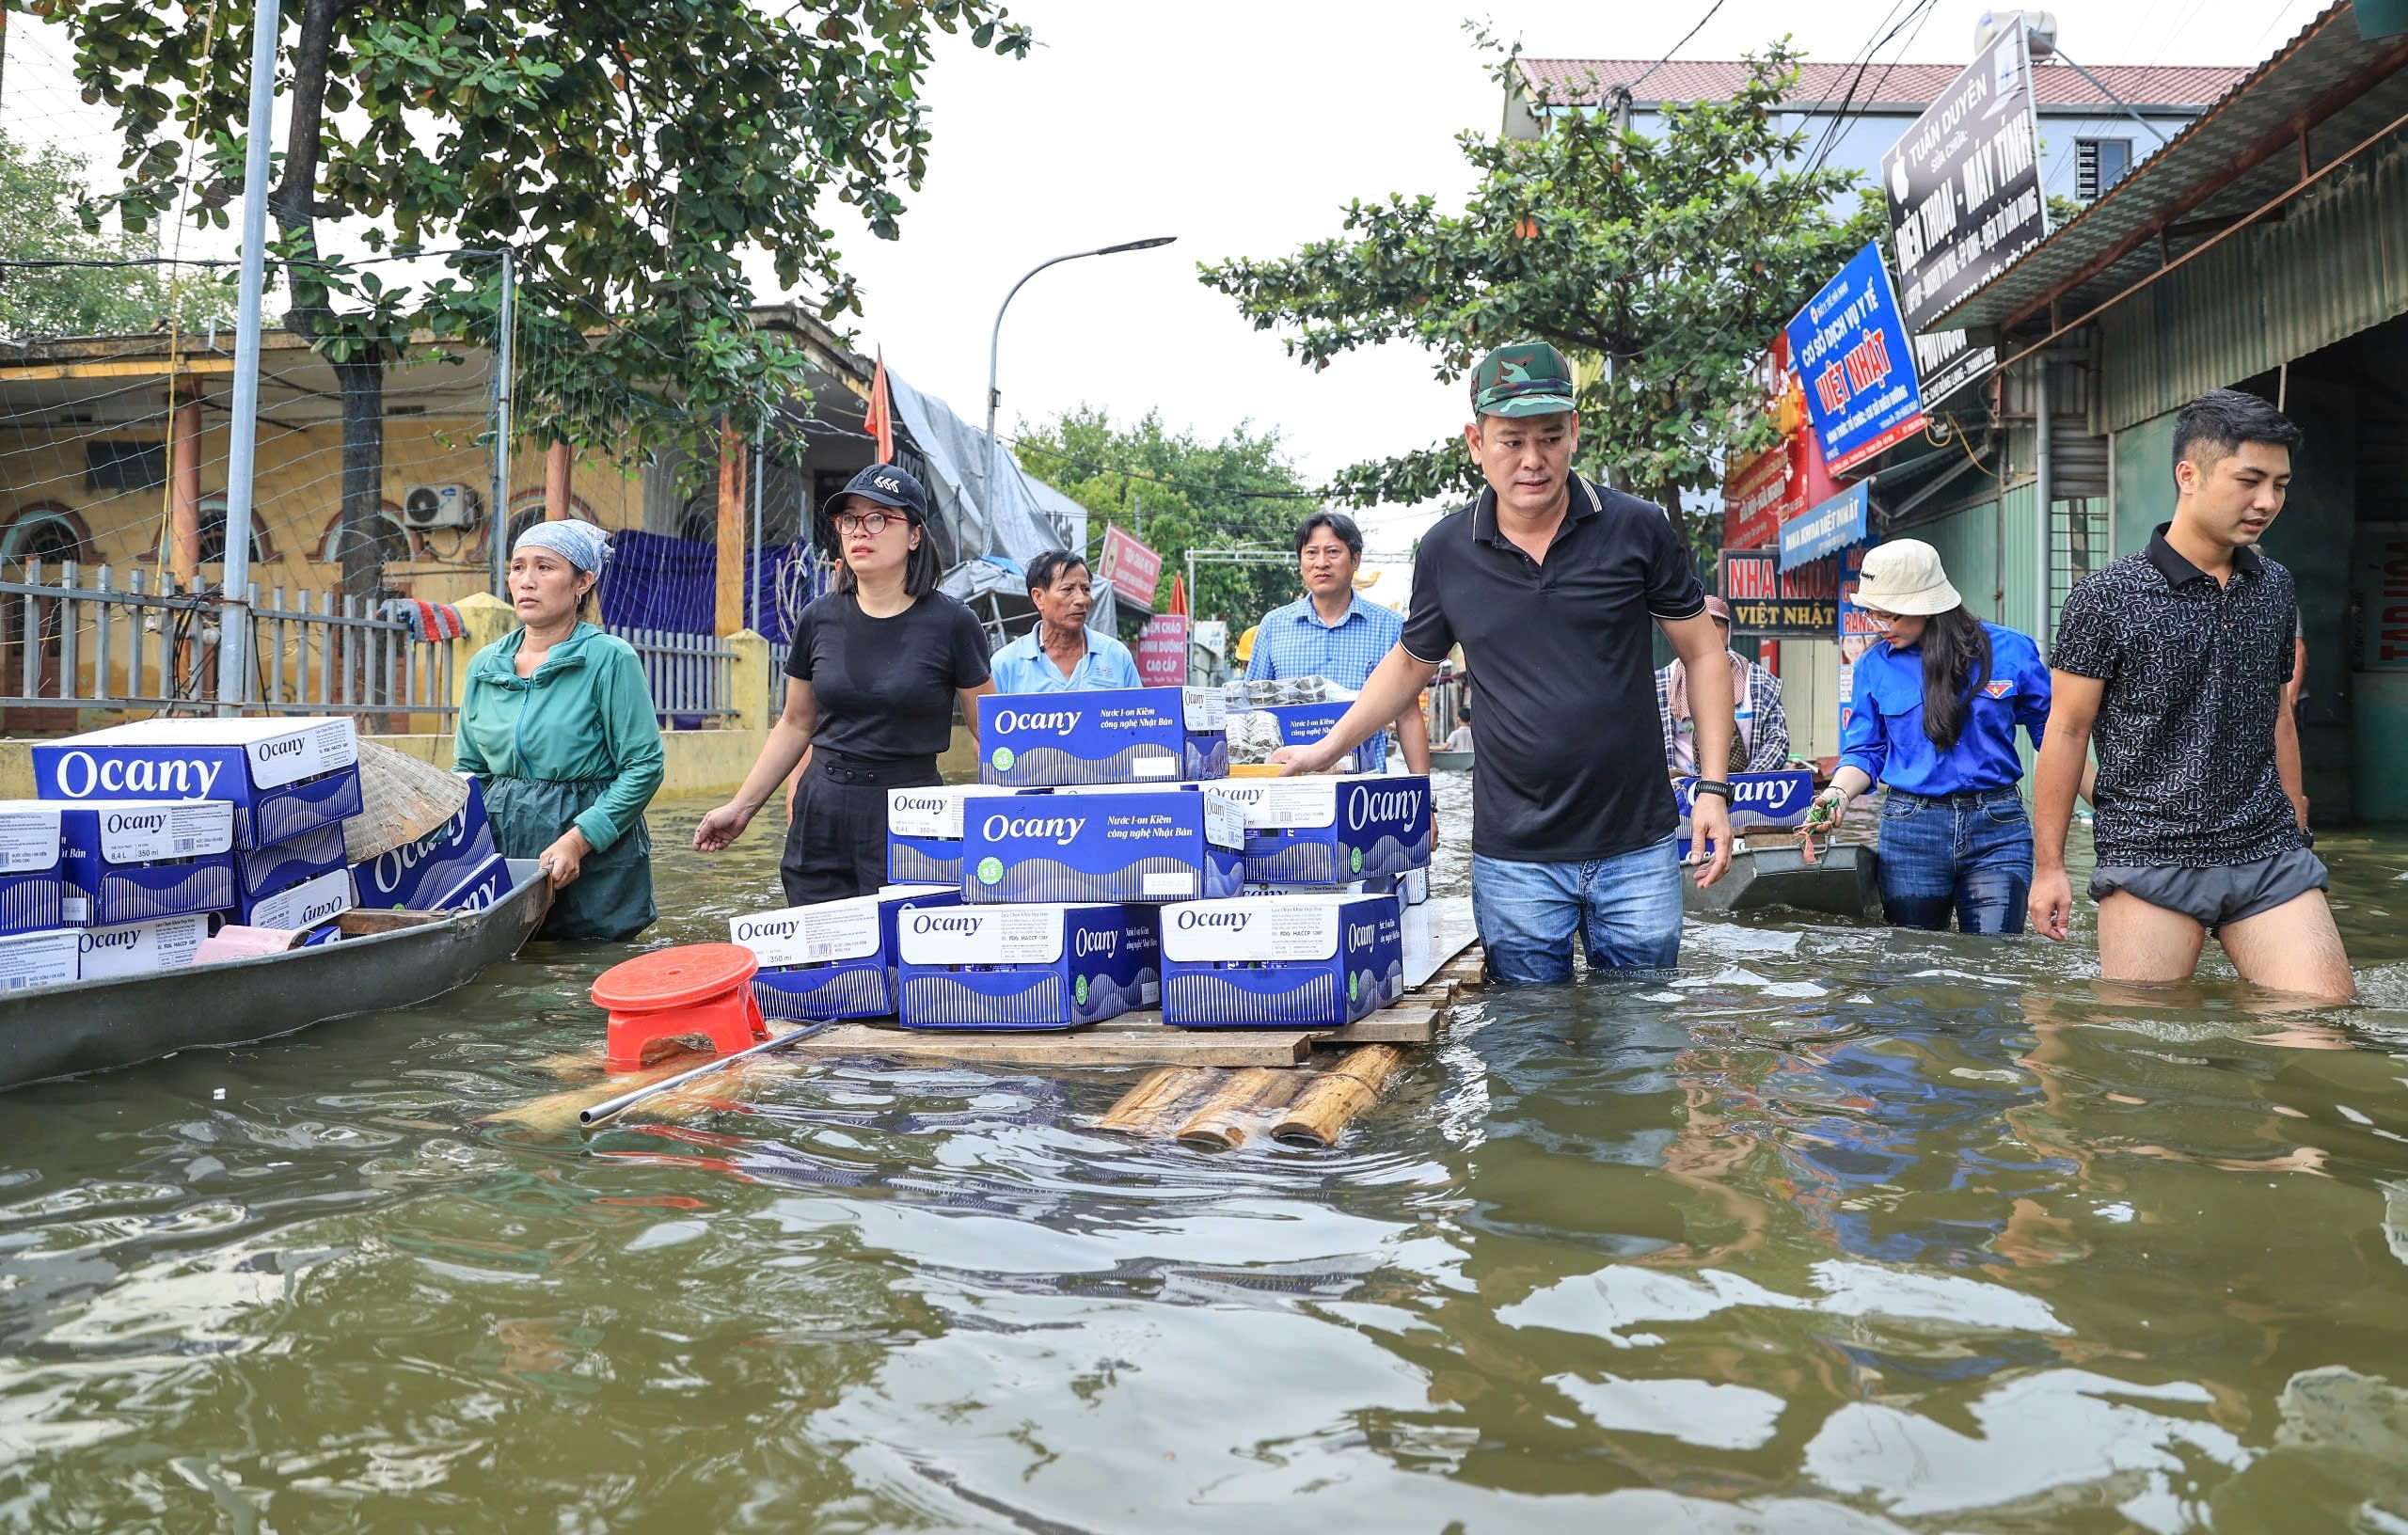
<point x="871" y="681"/>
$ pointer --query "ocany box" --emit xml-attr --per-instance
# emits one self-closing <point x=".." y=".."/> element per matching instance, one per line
<point x="1281" y="962"/>
<point x="833" y="958"/>
<point x="312" y="855"/>
<point x="33" y="879"/>
<point x="1780" y="799"/>
<point x="139" y="948"/>
<point x="924" y="832"/>
<point x="1113" y="735"/>
<point x="49" y="958"/>
<point x="132" y="861"/>
<point x="1027" y="967"/>
<point x="283" y="777"/>
<point x="415" y="876"/>
<point x="1330" y="828"/>
<point x="1175" y="843"/>
<point x="489" y="883"/>
<point x="304" y="905"/>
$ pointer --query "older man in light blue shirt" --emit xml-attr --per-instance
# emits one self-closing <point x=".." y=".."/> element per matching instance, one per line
<point x="1062" y="655"/>
<point x="1333" y="632"/>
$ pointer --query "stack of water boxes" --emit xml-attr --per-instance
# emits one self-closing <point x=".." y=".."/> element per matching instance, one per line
<point x="149" y="836"/>
<point x="1101" y="865"/>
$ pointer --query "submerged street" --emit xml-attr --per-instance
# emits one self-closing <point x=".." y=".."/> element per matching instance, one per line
<point x="1840" y="1228"/>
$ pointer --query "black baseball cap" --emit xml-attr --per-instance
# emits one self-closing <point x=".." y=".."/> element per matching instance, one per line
<point x="889" y="485"/>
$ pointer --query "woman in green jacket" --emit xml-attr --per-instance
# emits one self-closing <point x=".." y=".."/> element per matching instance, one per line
<point x="557" y="724"/>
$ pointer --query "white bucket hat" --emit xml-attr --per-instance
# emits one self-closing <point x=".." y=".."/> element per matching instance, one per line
<point x="1904" y="577"/>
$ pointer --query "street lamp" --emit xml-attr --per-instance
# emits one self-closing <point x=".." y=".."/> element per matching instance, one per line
<point x="994" y="396"/>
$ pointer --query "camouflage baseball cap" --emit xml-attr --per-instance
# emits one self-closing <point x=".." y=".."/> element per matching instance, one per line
<point x="1526" y="378"/>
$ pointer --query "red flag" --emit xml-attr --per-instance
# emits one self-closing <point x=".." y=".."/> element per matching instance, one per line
<point x="877" y="419"/>
<point x="1179" y="594"/>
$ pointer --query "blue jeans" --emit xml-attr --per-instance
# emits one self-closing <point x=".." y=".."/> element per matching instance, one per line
<point x="1627" y="908"/>
<point x="1970" y="853"/>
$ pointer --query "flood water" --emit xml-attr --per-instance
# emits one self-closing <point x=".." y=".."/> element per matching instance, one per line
<point x="1839" y="1230"/>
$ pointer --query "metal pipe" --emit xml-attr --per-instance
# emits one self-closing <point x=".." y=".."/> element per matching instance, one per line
<point x="752" y="563"/>
<point x="2044" y="489"/>
<point x="602" y="1111"/>
<point x="505" y="360"/>
<point x="994" y="351"/>
<point x="234" y="629"/>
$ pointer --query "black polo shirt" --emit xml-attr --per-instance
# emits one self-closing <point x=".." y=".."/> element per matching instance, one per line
<point x="1570" y="747"/>
<point x="2185" y="734"/>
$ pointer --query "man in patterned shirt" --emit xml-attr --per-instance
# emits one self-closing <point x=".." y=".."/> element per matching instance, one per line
<point x="2177" y="658"/>
<point x="1762" y="744"/>
<point x="1332" y="632"/>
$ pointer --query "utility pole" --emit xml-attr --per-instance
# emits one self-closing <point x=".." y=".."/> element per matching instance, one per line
<point x="234" y="611"/>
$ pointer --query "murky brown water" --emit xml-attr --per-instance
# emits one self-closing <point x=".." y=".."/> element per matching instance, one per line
<point x="1840" y="1230"/>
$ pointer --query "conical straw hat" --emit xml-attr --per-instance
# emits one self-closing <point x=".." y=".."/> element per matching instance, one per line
<point x="402" y="799"/>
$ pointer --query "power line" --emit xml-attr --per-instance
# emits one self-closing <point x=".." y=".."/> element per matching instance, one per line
<point x="1675" y="48"/>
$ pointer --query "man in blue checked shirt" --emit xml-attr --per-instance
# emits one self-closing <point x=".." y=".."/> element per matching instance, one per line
<point x="1332" y="632"/>
<point x="1062" y="655"/>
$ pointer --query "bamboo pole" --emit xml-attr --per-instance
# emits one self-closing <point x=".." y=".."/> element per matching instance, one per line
<point x="1236" y="1111"/>
<point x="1324" y="1110"/>
<point x="1149" y="1108"/>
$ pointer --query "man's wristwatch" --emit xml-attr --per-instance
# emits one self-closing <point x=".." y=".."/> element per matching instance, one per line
<point x="1711" y="785"/>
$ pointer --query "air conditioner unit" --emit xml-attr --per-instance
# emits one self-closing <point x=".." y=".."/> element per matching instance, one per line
<point x="440" y="506"/>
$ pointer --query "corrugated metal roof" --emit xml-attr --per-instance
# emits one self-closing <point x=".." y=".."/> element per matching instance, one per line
<point x="2326" y="56"/>
<point x="1579" y="82"/>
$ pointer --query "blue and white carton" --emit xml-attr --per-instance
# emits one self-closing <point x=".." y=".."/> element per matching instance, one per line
<point x="1176" y="843"/>
<point x="1780" y="799"/>
<point x="834" y="960"/>
<point x="489" y="883"/>
<point x="142" y="948"/>
<point x="283" y="777"/>
<point x="1027" y="967"/>
<point x="132" y="861"/>
<point x="33" y="880"/>
<point x="415" y="876"/>
<point x="1281" y="962"/>
<point x="304" y="905"/>
<point x="924" y="832"/>
<point x="312" y="855"/>
<point x="49" y="958"/>
<point x="1322" y="830"/>
<point x="1113" y="735"/>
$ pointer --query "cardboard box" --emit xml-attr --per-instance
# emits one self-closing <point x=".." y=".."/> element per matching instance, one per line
<point x="133" y="860"/>
<point x="1780" y="799"/>
<point x="300" y="906"/>
<point x="488" y="884"/>
<point x="1113" y="736"/>
<point x="1027" y="967"/>
<point x="141" y="949"/>
<point x="416" y="876"/>
<point x="33" y="882"/>
<point x="1281" y="962"/>
<point x="1177" y="843"/>
<point x="263" y="871"/>
<point x="833" y="959"/>
<point x="51" y="959"/>
<point x="283" y="777"/>
<point x="1329" y="830"/>
<point x="924" y="832"/>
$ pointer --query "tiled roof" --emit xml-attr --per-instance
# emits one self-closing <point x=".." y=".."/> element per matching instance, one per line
<point x="1578" y="82"/>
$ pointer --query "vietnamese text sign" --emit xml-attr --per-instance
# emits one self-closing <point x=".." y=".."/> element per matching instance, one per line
<point x="1946" y="362"/>
<point x="1826" y="529"/>
<point x="2381" y="589"/>
<point x="1856" y="631"/>
<point x="1162" y="651"/>
<point x="1752" y="497"/>
<point x="1964" y="182"/>
<point x="1129" y="567"/>
<point x="1771" y="603"/>
<point x="1850" y="348"/>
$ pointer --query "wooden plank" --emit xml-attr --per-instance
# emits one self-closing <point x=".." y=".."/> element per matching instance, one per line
<point x="1389" y="1026"/>
<point x="131" y="368"/>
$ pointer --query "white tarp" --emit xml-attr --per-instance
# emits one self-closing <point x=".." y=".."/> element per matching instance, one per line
<point x="1028" y="516"/>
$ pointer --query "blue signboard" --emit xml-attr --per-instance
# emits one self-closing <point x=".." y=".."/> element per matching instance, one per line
<point x="1850" y="348"/>
<point x="1825" y="529"/>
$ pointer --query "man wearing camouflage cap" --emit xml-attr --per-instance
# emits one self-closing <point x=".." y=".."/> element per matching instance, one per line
<point x="1550" y="582"/>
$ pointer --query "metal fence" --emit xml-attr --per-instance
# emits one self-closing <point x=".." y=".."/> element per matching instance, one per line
<point x="75" y="637"/>
<point x="691" y="675"/>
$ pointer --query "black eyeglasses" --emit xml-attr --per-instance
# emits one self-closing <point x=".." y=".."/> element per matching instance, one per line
<point x="872" y="523"/>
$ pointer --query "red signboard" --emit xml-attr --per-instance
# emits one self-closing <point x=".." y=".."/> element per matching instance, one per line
<point x="1753" y="497"/>
<point x="1162" y="651"/>
<point x="1132" y="569"/>
<point x="1759" y="493"/>
<point x="1775" y="604"/>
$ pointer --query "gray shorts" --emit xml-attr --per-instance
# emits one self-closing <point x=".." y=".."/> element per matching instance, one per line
<point x="2212" y="897"/>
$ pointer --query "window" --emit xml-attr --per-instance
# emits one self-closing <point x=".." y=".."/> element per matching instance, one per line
<point x="113" y="467"/>
<point x="212" y="534"/>
<point x="2099" y="164"/>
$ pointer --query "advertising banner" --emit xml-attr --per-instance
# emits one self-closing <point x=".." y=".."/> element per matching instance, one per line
<point x="1849" y="345"/>
<point x="1856" y="632"/>
<point x="1964" y="183"/>
<point x="1759" y="494"/>
<point x="1162" y="651"/>
<point x="1769" y="602"/>
<point x="1826" y="529"/>
<point x="1753" y="497"/>
<point x="1129" y="568"/>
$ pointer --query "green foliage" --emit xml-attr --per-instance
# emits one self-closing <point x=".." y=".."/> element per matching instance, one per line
<point x="43" y="191"/>
<point x="630" y="152"/>
<point x="1674" y="259"/>
<point x="1239" y="493"/>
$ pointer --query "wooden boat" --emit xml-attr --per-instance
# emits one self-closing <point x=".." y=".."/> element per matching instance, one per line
<point x="1449" y="762"/>
<point x="396" y="959"/>
<point x="1843" y="881"/>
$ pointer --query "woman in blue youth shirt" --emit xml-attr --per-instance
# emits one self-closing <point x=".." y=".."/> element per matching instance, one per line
<point x="1935" y="704"/>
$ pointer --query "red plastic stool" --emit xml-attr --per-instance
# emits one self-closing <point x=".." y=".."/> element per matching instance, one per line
<point x="703" y="989"/>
